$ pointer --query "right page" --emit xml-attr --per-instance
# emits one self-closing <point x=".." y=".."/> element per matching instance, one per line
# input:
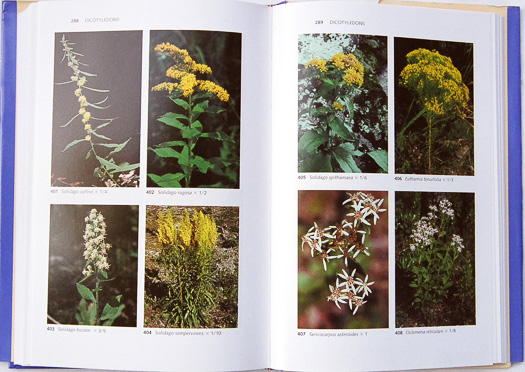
<point x="388" y="188"/>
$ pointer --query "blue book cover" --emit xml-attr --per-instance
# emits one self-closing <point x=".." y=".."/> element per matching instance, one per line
<point x="7" y="136"/>
<point x="515" y="186"/>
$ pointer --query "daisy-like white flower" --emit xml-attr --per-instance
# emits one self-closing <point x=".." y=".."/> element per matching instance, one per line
<point x="347" y="254"/>
<point x="364" y="286"/>
<point x="375" y="208"/>
<point x="326" y="258"/>
<point x="360" y="216"/>
<point x="336" y="294"/>
<point x="349" y="280"/>
<point x="358" y="302"/>
<point x="312" y="243"/>
<point x="351" y="296"/>
<point x="359" y="247"/>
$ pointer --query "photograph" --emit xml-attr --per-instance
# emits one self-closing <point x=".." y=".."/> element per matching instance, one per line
<point x="434" y="113"/>
<point x="96" y="109"/>
<point x="343" y="259"/>
<point x="93" y="265"/>
<point x="343" y="103"/>
<point x="194" y="109"/>
<point x="435" y="259"/>
<point x="192" y="267"/>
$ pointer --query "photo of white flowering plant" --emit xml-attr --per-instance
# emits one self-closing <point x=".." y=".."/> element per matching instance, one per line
<point x="93" y="265"/>
<point x="343" y="270"/>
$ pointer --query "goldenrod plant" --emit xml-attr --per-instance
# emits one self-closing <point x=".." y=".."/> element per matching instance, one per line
<point x="109" y="172"/>
<point x="96" y="266"/>
<point x="191" y="90"/>
<point x="342" y="121"/>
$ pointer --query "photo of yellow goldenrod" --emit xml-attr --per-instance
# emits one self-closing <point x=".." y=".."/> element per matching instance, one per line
<point x="194" y="109"/>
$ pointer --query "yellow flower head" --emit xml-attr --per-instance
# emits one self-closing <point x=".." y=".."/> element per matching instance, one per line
<point x="87" y="138"/>
<point x="86" y="117"/>
<point x="338" y="106"/>
<point x="350" y="65"/>
<point x="436" y="81"/>
<point x="184" y="71"/>
<point x="318" y="63"/>
<point x="87" y="127"/>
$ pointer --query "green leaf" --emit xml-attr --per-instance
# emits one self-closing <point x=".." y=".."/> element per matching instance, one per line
<point x="173" y="120"/>
<point x="316" y="162"/>
<point x="100" y="135"/>
<point x="350" y="106"/>
<point x="184" y="157"/>
<point x="103" y="125"/>
<point x="344" y="157"/>
<point x="125" y="167"/>
<point x="214" y="110"/>
<point x="96" y="90"/>
<point x="202" y="164"/>
<point x="167" y="180"/>
<point x="85" y="292"/>
<point x="109" y="312"/>
<point x="109" y="165"/>
<point x="104" y="273"/>
<point x="310" y="141"/>
<point x="381" y="159"/>
<point x="182" y="103"/>
<point x="221" y="136"/>
<point x="340" y="129"/>
<point x="69" y="122"/>
<point x="171" y="144"/>
<point x="118" y="148"/>
<point x="73" y="143"/>
<point x="88" y="155"/>
<point x="167" y="152"/>
<point x="190" y="132"/>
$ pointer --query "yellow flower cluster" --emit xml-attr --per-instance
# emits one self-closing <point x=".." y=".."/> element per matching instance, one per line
<point x="436" y="81"/>
<point x="338" y="106"/>
<point x="318" y="63"/>
<point x="166" y="231"/>
<point x="353" y="69"/>
<point x="184" y="71"/>
<point x="201" y="233"/>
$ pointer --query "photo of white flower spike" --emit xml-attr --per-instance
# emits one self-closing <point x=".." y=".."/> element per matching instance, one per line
<point x="344" y="242"/>
<point x="96" y="249"/>
<point x="96" y="266"/>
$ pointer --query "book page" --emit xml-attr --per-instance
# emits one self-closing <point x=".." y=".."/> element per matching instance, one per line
<point x="386" y="188"/>
<point x="141" y="214"/>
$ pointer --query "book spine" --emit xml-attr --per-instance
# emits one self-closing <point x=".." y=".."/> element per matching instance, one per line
<point x="7" y="164"/>
<point x="515" y="186"/>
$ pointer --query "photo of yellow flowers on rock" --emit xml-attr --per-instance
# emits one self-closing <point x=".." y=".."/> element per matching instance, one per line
<point x="343" y="259"/>
<point x="434" y="118"/>
<point x="343" y="116"/>
<point x="194" y="109"/>
<point x="192" y="267"/>
<point x="96" y="111"/>
<point x="93" y="265"/>
<point x="435" y="259"/>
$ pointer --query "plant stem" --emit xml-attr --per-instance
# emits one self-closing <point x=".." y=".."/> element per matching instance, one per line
<point x="429" y="143"/>
<point x="190" y="143"/>
<point x="96" y="296"/>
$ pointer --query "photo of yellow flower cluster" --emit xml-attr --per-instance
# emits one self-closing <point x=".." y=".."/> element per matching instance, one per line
<point x="434" y="113"/>
<point x="194" y="109"/>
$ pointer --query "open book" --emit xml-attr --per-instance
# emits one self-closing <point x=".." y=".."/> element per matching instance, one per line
<point x="216" y="185"/>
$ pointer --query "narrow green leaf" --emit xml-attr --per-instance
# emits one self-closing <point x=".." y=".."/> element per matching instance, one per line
<point x="96" y="90"/>
<point x="381" y="159"/>
<point x="221" y="136"/>
<point x="103" y="125"/>
<point x="85" y="292"/>
<point x="118" y="148"/>
<point x="88" y="155"/>
<point x="339" y="128"/>
<point x="100" y="135"/>
<point x="350" y="106"/>
<point x="69" y="122"/>
<point x="86" y="73"/>
<point x="171" y="144"/>
<point x="73" y="143"/>
<point x="214" y="110"/>
<point x="125" y="167"/>
<point x="109" y="165"/>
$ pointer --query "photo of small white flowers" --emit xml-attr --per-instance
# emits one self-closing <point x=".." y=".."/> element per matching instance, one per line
<point x="93" y="265"/>
<point x="96" y="109"/>
<point x="343" y="259"/>
<point x="435" y="259"/>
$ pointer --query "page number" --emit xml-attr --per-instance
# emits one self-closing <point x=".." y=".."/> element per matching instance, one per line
<point x="319" y="22"/>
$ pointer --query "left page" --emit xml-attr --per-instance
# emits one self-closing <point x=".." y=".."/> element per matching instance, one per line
<point x="140" y="153"/>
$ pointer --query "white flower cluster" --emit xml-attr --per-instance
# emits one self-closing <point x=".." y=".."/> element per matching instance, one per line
<point x="346" y="241"/>
<point x="426" y="229"/>
<point x="96" y="249"/>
